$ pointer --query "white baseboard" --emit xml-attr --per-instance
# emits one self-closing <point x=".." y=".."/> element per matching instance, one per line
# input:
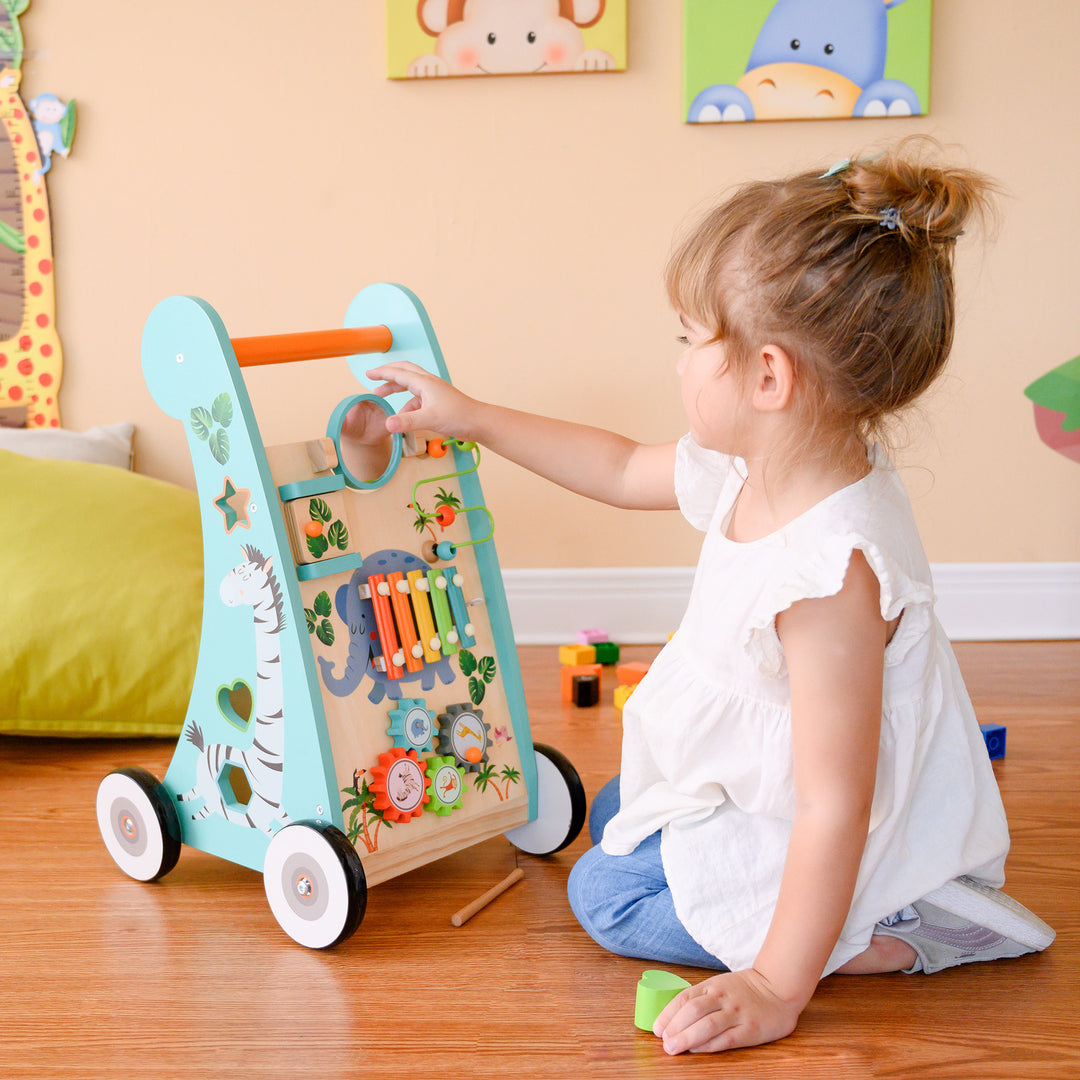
<point x="975" y="602"/>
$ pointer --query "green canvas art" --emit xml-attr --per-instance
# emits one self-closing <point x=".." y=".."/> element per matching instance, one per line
<point x="805" y="59"/>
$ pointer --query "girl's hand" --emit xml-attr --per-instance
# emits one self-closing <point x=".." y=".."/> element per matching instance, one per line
<point x="737" y="1008"/>
<point x="435" y="404"/>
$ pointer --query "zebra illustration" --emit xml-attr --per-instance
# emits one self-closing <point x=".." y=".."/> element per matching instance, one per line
<point x="252" y="583"/>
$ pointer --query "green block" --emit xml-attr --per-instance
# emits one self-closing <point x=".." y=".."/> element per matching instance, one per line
<point x="655" y="990"/>
<point x="607" y="652"/>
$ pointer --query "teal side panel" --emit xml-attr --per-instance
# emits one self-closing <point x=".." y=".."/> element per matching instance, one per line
<point x="414" y="341"/>
<point x="192" y="373"/>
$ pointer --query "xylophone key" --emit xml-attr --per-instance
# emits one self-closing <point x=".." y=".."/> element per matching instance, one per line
<point x="460" y="609"/>
<point x="441" y="606"/>
<point x="399" y="600"/>
<point x="384" y="624"/>
<point x="429" y="638"/>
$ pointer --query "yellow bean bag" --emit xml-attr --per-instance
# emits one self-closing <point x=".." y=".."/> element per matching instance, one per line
<point x="101" y="599"/>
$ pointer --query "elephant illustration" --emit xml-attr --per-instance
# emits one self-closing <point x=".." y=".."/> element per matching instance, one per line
<point x="359" y="616"/>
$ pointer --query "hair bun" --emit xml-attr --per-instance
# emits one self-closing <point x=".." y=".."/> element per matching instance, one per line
<point x="931" y="201"/>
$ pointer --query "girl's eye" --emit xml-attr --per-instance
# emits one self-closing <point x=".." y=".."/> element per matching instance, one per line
<point x="531" y="37"/>
<point x="491" y="39"/>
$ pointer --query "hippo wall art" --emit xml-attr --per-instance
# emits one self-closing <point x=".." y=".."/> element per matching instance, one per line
<point x="805" y="59"/>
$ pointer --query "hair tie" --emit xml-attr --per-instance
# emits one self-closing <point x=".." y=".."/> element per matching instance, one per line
<point x="890" y="218"/>
<point x="839" y="167"/>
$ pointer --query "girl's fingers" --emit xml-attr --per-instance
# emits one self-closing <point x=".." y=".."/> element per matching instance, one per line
<point x="708" y="1028"/>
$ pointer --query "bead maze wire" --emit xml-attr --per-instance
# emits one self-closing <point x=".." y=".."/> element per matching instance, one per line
<point x="468" y="447"/>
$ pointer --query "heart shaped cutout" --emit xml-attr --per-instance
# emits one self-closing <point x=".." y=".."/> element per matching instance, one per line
<point x="234" y="703"/>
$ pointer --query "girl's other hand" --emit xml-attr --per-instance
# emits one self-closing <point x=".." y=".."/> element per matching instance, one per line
<point x="737" y="1008"/>
<point x="434" y="406"/>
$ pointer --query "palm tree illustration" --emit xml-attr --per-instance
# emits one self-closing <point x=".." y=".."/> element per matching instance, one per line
<point x="486" y="777"/>
<point x="363" y="815"/>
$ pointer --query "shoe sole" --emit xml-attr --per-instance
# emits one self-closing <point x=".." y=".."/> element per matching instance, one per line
<point x="989" y="907"/>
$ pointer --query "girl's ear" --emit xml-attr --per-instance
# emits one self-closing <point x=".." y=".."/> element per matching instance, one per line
<point x="774" y="379"/>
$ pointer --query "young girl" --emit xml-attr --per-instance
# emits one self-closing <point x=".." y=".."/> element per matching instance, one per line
<point x="804" y="787"/>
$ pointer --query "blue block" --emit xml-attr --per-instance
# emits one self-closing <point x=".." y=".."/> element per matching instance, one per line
<point x="994" y="736"/>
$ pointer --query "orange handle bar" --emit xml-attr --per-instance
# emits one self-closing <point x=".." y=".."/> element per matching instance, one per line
<point x="314" y="345"/>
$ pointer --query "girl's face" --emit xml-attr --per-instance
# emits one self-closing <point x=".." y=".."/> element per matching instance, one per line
<point x="710" y="390"/>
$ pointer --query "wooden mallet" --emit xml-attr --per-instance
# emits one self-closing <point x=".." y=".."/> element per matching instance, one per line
<point x="469" y="910"/>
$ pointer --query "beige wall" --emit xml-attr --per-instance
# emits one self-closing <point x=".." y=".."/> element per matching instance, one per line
<point x="253" y="153"/>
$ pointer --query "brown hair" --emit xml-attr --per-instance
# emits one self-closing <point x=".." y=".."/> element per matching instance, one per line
<point x="864" y="311"/>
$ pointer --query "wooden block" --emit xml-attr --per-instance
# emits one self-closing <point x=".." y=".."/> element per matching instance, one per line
<point x="632" y="673"/>
<point x="607" y="652"/>
<point x="568" y="673"/>
<point x="585" y="690"/>
<point x="591" y="636"/>
<point x="577" y="654"/>
<point x="317" y="527"/>
<point x="622" y="693"/>
<point x="994" y="737"/>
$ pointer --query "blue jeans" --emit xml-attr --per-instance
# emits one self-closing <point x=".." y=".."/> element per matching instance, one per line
<point x="623" y="901"/>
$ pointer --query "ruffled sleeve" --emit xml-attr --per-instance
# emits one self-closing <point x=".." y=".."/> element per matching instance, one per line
<point x="700" y="479"/>
<point x="820" y="572"/>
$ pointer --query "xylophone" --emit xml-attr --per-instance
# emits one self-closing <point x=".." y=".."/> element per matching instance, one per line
<point x="357" y="707"/>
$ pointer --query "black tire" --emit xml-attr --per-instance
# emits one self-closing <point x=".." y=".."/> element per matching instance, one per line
<point x="138" y="823"/>
<point x="315" y="884"/>
<point x="561" y="805"/>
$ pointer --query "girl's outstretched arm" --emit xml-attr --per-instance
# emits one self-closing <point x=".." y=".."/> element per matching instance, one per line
<point x="590" y="461"/>
<point x="835" y="650"/>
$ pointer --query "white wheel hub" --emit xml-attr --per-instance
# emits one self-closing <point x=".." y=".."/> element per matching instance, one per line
<point x="306" y="886"/>
<point x="130" y="826"/>
<point x="554" y="812"/>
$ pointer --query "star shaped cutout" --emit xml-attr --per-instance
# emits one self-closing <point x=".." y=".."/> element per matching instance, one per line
<point x="233" y="504"/>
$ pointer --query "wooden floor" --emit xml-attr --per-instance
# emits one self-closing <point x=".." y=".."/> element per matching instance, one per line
<point x="191" y="977"/>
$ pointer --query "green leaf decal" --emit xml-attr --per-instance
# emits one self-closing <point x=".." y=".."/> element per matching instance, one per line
<point x="323" y="606"/>
<point x="222" y="409"/>
<point x="476" y="690"/>
<point x="467" y="662"/>
<point x="325" y="632"/>
<point x="219" y="446"/>
<point x="320" y="510"/>
<point x="317" y="545"/>
<point x="67" y="124"/>
<point x="310" y="616"/>
<point x="12" y="238"/>
<point x="337" y="535"/>
<point x="201" y="422"/>
<point x="487" y="668"/>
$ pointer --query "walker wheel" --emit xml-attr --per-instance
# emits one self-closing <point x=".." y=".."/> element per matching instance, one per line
<point x="315" y="884"/>
<point x="560" y="805"/>
<point x="138" y="823"/>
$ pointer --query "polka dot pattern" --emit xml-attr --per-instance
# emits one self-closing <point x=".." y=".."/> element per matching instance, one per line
<point x="31" y="360"/>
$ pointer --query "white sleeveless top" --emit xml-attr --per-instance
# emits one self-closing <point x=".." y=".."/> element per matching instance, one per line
<point x="707" y="754"/>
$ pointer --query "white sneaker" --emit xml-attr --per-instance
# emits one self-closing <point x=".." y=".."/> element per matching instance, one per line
<point x="965" y="921"/>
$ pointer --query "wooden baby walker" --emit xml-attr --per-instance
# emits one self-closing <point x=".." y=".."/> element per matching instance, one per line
<point x="357" y="708"/>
